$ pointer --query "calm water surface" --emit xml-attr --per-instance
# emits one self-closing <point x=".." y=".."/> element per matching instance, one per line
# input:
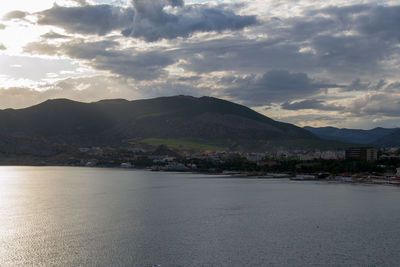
<point x="110" y="217"/>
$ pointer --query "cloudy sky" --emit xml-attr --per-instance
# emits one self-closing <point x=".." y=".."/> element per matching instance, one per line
<point x="307" y="62"/>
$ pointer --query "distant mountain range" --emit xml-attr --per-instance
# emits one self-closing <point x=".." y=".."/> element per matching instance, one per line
<point x="376" y="136"/>
<point x="61" y="123"/>
<point x="392" y="139"/>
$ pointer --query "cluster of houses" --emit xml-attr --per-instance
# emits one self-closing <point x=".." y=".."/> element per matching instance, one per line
<point x="302" y="162"/>
<point x="356" y="153"/>
<point x="134" y="157"/>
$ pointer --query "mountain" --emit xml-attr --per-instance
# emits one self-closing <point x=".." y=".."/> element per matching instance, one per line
<point x="55" y="124"/>
<point x="352" y="135"/>
<point x="392" y="139"/>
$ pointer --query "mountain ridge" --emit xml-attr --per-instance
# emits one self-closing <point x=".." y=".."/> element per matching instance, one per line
<point x="392" y="139"/>
<point x="110" y="122"/>
<point x="357" y="136"/>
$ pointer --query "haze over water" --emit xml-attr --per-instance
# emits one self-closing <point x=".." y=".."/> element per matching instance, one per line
<point x="88" y="216"/>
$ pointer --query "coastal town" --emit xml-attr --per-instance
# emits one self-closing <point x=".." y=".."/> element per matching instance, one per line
<point x="353" y="165"/>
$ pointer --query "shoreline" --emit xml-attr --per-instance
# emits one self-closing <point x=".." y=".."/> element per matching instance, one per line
<point x="366" y="180"/>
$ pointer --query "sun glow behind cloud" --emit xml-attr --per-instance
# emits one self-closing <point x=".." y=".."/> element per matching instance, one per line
<point x="23" y="5"/>
<point x="16" y="35"/>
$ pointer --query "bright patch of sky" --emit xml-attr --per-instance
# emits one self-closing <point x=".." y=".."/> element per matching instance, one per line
<point x="112" y="2"/>
<point x="23" y="5"/>
<point x="33" y="71"/>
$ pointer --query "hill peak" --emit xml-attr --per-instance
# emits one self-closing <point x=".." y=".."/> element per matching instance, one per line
<point x="113" y="121"/>
<point x="112" y="101"/>
<point x="59" y="100"/>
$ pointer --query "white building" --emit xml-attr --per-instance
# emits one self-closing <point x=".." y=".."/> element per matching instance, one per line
<point x="126" y="165"/>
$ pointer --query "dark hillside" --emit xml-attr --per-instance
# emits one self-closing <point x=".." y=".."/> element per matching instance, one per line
<point x="111" y="122"/>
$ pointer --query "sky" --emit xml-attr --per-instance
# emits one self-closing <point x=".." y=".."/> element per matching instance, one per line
<point x="315" y="63"/>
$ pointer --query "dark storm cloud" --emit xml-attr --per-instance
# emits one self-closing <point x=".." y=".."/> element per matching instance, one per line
<point x="147" y="19"/>
<point x="380" y="104"/>
<point x="154" y="10"/>
<point x="16" y="14"/>
<point x="355" y="38"/>
<point x="106" y="55"/>
<point x="358" y="85"/>
<point x="81" y="2"/>
<point x="392" y="87"/>
<point x="380" y="21"/>
<point x="339" y="43"/>
<point x="374" y="86"/>
<point x="189" y="79"/>
<point x="143" y="66"/>
<point x="243" y="55"/>
<point x="355" y="54"/>
<point x="89" y="19"/>
<point x="128" y="63"/>
<point x="274" y="86"/>
<point x="311" y="44"/>
<point x="153" y="22"/>
<point x="311" y="104"/>
<point x="90" y="50"/>
<point x="328" y="49"/>
<point x="383" y="22"/>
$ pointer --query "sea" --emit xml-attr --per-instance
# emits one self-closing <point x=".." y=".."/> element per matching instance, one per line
<point x="70" y="216"/>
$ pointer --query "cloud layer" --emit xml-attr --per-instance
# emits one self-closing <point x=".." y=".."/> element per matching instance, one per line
<point x="98" y="19"/>
<point x="274" y="87"/>
<point x="150" y="20"/>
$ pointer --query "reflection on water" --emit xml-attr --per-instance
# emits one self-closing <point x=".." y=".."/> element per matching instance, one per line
<point x="10" y="172"/>
<point x="84" y="216"/>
